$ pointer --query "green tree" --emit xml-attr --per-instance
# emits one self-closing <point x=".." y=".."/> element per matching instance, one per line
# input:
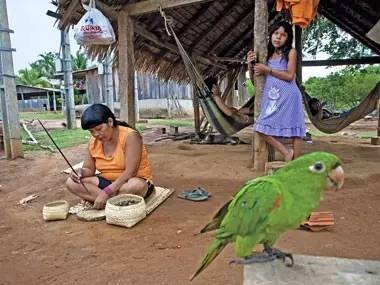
<point x="45" y="65"/>
<point x="324" y="36"/>
<point x="345" y="89"/>
<point x="80" y="61"/>
<point x="32" y="77"/>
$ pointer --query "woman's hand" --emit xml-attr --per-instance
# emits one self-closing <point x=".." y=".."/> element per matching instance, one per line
<point x="251" y="59"/>
<point x="100" y="201"/>
<point x="76" y="177"/>
<point x="261" y="69"/>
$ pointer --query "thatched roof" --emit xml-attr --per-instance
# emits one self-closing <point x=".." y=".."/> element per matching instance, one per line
<point x="212" y="31"/>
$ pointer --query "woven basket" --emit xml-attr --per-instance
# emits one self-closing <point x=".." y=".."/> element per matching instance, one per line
<point x="56" y="210"/>
<point x="125" y="216"/>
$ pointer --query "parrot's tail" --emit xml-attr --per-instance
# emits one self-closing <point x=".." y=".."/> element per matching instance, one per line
<point x="217" y="219"/>
<point x="212" y="252"/>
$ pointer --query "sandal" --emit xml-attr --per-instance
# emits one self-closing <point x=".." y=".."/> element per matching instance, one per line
<point x="195" y="194"/>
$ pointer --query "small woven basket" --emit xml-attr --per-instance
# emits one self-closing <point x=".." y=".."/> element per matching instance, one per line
<point x="56" y="210"/>
<point x="125" y="216"/>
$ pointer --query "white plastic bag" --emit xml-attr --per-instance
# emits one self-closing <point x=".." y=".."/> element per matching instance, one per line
<point x="94" y="28"/>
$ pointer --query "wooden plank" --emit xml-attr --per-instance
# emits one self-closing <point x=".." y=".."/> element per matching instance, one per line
<point x="260" y="149"/>
<point x="126" y="69"/>
<point x="347" y="61"/>
<point x="150" y="6"/>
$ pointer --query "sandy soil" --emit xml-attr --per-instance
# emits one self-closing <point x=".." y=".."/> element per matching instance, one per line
<point x="162" y="249"/>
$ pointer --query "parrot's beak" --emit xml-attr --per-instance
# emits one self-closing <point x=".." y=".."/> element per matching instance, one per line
<point x="335" y="178"/>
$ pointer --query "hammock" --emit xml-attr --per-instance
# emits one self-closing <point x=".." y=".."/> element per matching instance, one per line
<point x="336" y="123"/>
<point x="226" y="125"/>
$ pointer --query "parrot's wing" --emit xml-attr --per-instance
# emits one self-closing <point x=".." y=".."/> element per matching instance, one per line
<point x="252" y="207"/>
<point x="217" y="219"/>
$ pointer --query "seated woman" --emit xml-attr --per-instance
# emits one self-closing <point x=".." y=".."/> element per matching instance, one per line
<point x="228" y="110"/>
<point x="116" y="150"/>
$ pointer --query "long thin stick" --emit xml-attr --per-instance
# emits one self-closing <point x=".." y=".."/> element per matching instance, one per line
<point x="72" y="168"/>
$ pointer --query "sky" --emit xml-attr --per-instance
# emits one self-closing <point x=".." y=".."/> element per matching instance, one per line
<point x="35" y="33"/>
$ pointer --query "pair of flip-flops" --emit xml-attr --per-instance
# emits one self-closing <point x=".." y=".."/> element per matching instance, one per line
<point x="195" y="194"/>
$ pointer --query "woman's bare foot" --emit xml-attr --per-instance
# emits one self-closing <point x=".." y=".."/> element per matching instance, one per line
<point x="289" y="156"/>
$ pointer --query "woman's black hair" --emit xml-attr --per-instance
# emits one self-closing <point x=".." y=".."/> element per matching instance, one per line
<point x="97" y="114"/>
<point x="288" y="44"/>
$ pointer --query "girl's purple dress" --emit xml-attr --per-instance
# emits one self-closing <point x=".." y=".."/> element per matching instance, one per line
<point x="281" y="108"/>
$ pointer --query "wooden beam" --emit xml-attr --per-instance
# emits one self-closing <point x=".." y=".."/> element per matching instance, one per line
<point x="126" y="69"/>
<point x="347" y="61"/>
<point x="70" y="10"/>
<point x="149" y="6"/>
<point x="260" y="149"/>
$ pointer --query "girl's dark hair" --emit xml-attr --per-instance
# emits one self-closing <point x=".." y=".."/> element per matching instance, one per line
<point x="97" y="114"/>
<point x="288" y="44"/>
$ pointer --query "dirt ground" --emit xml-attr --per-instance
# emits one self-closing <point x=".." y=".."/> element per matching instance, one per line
<point x="163" y="249"/>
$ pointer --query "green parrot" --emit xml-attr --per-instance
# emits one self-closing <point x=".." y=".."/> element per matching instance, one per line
<point x="266" y="207"/>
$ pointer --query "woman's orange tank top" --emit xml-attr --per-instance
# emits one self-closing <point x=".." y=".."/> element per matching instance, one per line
<point x="112" y="167"/>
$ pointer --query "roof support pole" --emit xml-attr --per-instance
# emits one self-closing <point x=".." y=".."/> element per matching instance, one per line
<point x="260" y="149"/>
<point x="68" y="79"/>
<point x="298" y="46"/>
<point x="8" y="94"/>
<point x="126" y="69"/>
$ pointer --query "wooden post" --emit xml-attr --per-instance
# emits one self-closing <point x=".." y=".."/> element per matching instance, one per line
<point x="8" y="93"/>
<point x="48" y="101"/>
<point x="260" y="149"/>
<point x="68" y="80"/>
<point x="298" y="46"/>
<point x="54" y="102"/>
<point x="126" y="69"/>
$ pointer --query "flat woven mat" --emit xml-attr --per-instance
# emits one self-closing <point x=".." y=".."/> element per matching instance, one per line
<point x="159" y="195"/>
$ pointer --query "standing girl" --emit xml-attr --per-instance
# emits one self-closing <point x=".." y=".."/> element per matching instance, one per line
<point x="281" y="108"/>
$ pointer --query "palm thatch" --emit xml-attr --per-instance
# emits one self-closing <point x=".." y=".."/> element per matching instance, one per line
<point x="211" y="31"/>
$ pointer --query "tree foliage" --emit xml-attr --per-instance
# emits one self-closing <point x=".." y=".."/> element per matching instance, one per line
<point x="345" y="89"/>
<point x="80" y="61"/>
<point x="324" y="36"/>
<point x="32" y="77"/>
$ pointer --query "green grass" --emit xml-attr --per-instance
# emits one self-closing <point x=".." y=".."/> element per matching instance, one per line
<point x="172" y="122"/>
<point x="63" y="138"/>
<point x="41" y="115"/>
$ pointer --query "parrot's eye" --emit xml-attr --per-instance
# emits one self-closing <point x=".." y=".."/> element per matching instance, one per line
<point x="317" y="167"/>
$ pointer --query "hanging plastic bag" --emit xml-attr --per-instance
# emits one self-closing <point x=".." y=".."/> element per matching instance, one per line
<point x="94" y="28"/>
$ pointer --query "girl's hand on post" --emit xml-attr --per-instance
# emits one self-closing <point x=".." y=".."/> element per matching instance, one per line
<point x="261" y="69"/>
<point x="76" y="177"/>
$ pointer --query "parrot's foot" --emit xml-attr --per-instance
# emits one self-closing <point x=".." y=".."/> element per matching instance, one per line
<point x="269" y="254"/>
